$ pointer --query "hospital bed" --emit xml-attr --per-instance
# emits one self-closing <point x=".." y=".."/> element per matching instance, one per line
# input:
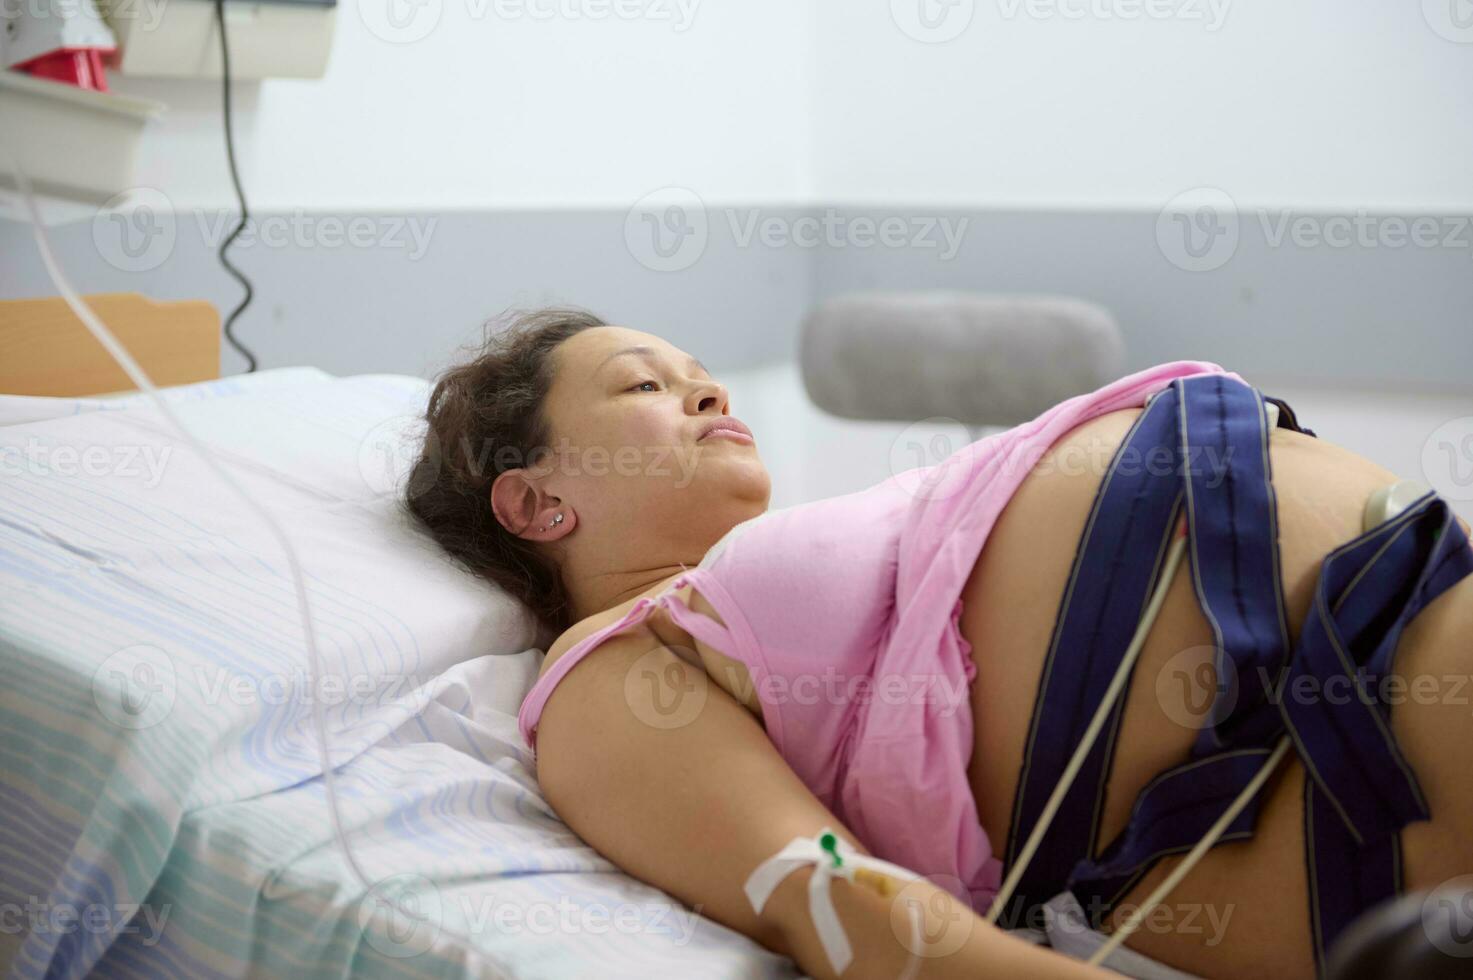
<point x="161" y="806"/>
<point x="162" y="810"/>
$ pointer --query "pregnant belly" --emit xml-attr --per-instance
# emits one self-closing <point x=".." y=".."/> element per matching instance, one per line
<point x="1011" y="600"/>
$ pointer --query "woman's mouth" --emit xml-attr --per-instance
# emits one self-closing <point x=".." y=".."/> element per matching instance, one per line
<point x="728" y="434"/>
<point x="727" y="427"/>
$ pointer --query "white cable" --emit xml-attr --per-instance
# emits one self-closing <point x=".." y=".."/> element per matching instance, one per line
<point x="1092" y="733"/>
<point x="1134" y="920"/>
<point x="141" y="380"/>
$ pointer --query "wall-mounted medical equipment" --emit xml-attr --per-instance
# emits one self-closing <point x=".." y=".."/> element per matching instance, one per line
<point x="78" y="145"/>
<point x="181" y="38"/>
<point x="79" y="142"/>
<point x="63" y="41"/>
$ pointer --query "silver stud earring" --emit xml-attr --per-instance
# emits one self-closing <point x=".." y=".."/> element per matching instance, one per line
<point x="555" y="522"/>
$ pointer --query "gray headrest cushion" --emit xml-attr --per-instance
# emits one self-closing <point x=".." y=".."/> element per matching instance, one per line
<point x="976" y="358"/>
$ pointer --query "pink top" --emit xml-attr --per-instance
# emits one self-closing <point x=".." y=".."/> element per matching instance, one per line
<point x="844" y="612"/>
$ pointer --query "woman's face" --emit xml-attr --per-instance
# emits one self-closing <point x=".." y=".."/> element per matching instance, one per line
<point x="633" y="450"/>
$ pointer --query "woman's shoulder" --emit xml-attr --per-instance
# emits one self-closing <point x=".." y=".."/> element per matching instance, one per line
<point x="725" y="667"/>
<point x="591" y="625"/>
<point x="659" y="623"/>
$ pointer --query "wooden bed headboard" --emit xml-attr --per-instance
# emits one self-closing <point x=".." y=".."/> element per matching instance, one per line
<point x="46" y="350"/>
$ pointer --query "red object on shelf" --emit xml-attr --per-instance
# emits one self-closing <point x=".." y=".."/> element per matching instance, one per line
<point x="81" y="67"/>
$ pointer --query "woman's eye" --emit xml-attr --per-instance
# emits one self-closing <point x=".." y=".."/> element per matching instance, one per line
<point x="641" y="385"/>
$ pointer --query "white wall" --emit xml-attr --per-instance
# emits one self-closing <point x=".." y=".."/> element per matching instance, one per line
<point x="1332" y="104"/>
<point x="496" y="106"/>
<point x="1329" y="104"/>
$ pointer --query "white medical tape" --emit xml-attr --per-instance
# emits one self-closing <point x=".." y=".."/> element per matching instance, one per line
<point x="803" y="852"/>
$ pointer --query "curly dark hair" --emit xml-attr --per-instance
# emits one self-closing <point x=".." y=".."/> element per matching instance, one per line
<point x="485" y="417"/>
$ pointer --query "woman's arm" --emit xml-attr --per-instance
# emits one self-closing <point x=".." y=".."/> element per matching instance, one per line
<point x="664" y="773"/>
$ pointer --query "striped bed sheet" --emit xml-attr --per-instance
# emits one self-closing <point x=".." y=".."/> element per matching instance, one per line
<point x="162" y="811"/>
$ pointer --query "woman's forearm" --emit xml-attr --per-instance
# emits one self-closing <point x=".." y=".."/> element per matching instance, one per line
<point x="694" y="808"/>
<point x="955" y="941"/>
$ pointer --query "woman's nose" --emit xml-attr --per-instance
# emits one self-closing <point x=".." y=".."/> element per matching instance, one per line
<point x="708" y="396"/>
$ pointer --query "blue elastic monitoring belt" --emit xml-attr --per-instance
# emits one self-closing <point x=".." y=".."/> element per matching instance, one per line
<point x="1211" y="434"/>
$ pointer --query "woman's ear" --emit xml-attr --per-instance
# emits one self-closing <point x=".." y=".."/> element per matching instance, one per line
<point x="523" y="509"/>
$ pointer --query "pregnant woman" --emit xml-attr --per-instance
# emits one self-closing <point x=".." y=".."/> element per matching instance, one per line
<point x="915" y="665"/>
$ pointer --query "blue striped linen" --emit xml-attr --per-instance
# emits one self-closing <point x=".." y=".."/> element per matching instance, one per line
<point x="161" y="801"/>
